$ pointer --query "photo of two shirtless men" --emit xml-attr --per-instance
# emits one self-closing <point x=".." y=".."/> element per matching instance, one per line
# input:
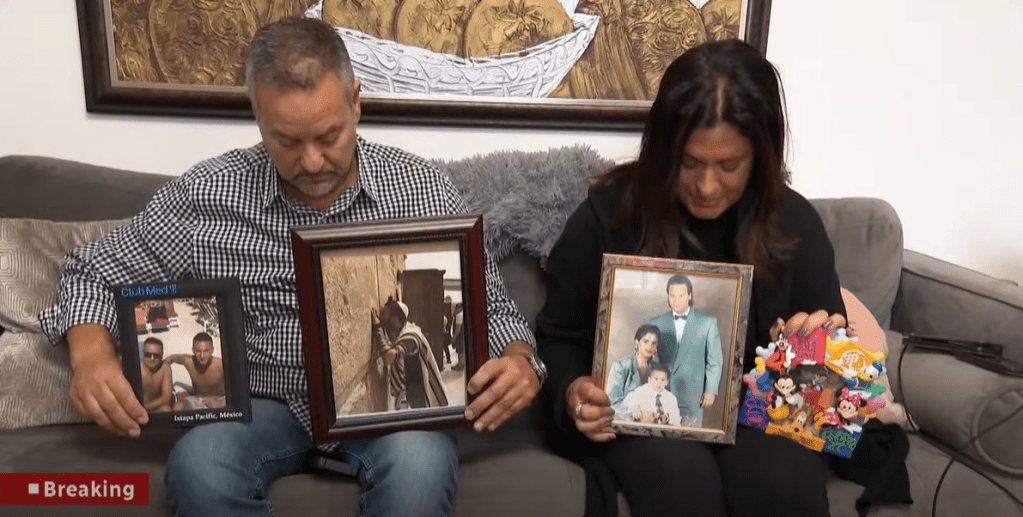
<point x="181" y="362"/>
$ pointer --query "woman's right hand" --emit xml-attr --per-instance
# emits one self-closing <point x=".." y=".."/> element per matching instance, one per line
<point x="590" y="409"/>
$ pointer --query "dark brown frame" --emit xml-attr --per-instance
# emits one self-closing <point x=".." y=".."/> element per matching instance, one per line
<point x="103" y="95"/>
<point x="308" y="242"/>
<point x="738" y="304"/>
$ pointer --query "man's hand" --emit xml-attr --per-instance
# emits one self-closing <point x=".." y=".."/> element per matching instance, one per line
<point x="99" y="389"/>
<point x="508" y="385"/>
<point x="707" y="400"/>
<point x="590" y="408"/>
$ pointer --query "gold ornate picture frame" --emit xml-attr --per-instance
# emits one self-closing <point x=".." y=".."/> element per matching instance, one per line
<point x="666" y="396"/>
<point x="534" y="63"/>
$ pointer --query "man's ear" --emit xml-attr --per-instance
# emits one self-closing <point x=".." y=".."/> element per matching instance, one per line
<point x="356" y="100"/>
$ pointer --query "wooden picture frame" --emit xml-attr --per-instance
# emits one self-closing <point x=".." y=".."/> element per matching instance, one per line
<point x="186" y="329"/>
<point x="128" y="72"/>
<point x="635" y="316"/>
<point x="360" y="343"/>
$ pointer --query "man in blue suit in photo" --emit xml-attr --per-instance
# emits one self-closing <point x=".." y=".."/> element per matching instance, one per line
<point x="691" y="349"/>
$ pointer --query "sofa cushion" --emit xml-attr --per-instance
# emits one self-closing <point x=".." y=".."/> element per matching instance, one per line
<point x="961" y="404"/>
<point x="65" y="190"/>
<point x="30" y="255"/>
<point x="867" y="236"/>
<point x="34" y="381"/>
<point x="35" y="374"/>
<point x="499" y="473"/>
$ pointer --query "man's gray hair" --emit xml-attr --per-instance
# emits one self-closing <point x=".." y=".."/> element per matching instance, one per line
<point x="295" y="53"/>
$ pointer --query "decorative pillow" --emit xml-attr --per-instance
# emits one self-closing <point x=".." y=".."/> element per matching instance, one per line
<point x="35" y="374"/>
<point x="870" y="336"/>
<point x="34" y="382"/>
<point x="30" y="255"/>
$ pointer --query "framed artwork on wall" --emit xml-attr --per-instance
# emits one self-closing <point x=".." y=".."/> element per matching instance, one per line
<point x="528" y="63"/>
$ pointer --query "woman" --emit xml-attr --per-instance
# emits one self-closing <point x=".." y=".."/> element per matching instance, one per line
<point x="709" y="184"/>
<point x="628" y="373"/>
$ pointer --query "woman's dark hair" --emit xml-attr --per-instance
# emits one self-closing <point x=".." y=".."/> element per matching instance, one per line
<point x="648" y="329"/>
<point x="722" y="81"/>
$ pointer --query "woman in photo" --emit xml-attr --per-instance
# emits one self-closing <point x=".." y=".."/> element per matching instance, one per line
<point x="630" y="372"/>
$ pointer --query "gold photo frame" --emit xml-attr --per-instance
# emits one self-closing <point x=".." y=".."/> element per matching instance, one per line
<point x="663" y="395"/>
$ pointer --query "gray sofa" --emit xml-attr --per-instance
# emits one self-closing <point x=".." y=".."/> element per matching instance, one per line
<point x="525" y="198"/>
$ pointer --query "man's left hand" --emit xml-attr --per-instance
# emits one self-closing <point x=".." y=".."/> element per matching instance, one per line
<point x="707" y="400"/>
<point x="505" y="385"/>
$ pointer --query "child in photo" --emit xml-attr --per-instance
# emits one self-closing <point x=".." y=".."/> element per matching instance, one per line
<point x="651" y="403"/>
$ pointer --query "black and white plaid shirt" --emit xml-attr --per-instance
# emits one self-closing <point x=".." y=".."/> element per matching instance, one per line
<point x="228" y="217"/>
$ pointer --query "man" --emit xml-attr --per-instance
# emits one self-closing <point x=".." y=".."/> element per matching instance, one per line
<point x="230" y="216"/>
<point x="406" y="362"/>
<point x="157" y="391"/>
<point x="458" y="337"/>
<point x="691" y="348"/>
<point x="207" y="373"/>
<point x="448" y="322"/>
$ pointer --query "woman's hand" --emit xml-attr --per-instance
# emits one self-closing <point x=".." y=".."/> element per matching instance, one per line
<point x="590" y="409"/>
<point x="803" y="324"/>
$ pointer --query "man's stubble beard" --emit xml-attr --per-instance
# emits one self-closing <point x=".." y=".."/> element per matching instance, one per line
<point x="200" y="367"/>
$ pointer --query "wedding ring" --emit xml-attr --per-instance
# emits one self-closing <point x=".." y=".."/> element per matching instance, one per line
<point x="579" y="411"/>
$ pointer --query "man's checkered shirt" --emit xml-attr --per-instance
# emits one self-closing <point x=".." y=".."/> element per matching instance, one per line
<point x="228" y="217"/>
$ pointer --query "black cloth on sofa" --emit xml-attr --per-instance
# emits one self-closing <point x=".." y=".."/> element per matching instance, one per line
<point x="879" y="464"/>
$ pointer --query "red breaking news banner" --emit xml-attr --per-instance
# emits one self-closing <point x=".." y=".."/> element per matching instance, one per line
<point x="74" y="489"/>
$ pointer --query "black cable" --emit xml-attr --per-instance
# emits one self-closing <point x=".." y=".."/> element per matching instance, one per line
<point x="958" y="452"/>
<point x="961" y="450"/>
<point x="912" y="424"/>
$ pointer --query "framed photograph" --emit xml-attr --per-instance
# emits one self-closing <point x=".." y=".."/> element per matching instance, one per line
<point x="669" y="345"/>
<point x="393" y="318"/>
<point x="542" y="63"/>
<point x="183" y="350"/>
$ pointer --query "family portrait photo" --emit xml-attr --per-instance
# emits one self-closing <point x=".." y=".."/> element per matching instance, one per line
<point x="669" y="340"/>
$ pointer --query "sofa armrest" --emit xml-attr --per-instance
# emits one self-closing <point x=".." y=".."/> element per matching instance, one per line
<point x="956" y="401"/>
<point x="942" y="299"/>
<point x="948" y="398"/>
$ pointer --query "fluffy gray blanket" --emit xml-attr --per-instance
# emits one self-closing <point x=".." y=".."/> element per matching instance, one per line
<point x="525" y="197"/>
